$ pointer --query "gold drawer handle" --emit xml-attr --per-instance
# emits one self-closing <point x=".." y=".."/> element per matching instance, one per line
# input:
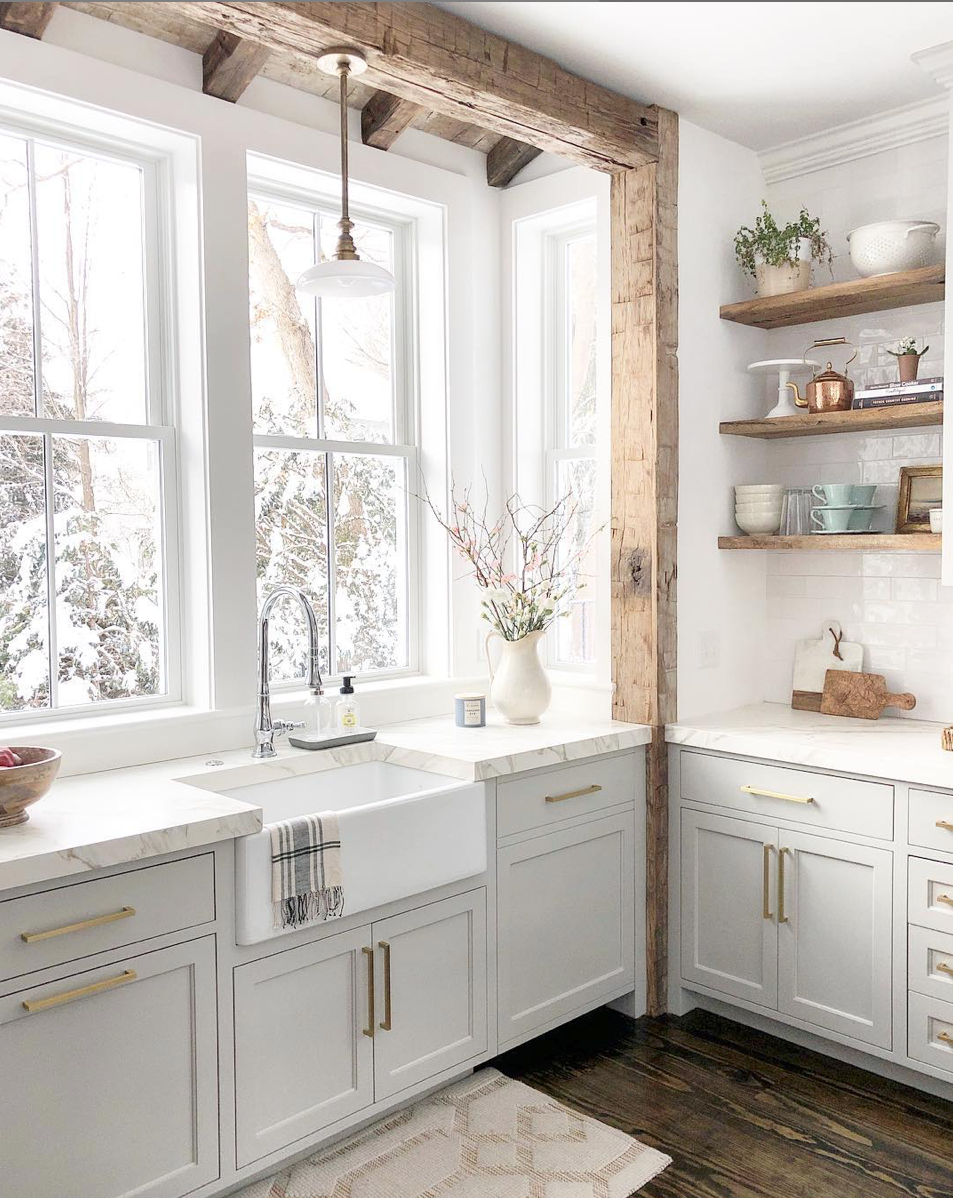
<point x="782" y="917"/>
<point x="774" y="794"/>
<point x="386" y="1024"/>
<point x="766" y="883"/>
<point x="32" y="1005"/>
<point x="573" y="794"/>
<point x="369" y="955"/>
<point x="942" y="967"/>
<point x="945" y="1037"/>
<point x="942" y="823"/>
<point x="945" y="898"/>
<point x="96" y="922"/>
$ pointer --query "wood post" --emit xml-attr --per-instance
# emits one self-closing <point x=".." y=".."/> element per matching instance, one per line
<point x="229" y="64"/>
<point x="28" y="19"/>
<point x="384" y="118"/>
<point x="645" y="493"/>
<point x="507" y="158"/>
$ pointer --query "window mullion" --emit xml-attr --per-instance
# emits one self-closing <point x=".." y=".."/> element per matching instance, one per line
<point x="49" y="504"/>
<point x="329" y="541"/>
<point x="38" y="407"/>
<point x="318" y="353"/>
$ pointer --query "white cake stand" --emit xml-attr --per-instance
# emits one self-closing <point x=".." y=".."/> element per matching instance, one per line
<point x="784" y="368"/>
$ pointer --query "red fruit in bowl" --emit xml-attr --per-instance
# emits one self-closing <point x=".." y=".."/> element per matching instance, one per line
<point x="9" y="758"/>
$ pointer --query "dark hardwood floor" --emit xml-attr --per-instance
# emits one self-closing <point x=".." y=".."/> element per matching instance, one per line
<point x="743" y="1114"/>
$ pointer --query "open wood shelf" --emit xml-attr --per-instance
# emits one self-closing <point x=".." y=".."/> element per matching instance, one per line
<point x="871" y="542"/>
<point x="877" y="294"/>
<point x="814" y="424"/>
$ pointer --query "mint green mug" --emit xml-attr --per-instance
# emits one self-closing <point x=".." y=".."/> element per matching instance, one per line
<point x="830" y="519"/>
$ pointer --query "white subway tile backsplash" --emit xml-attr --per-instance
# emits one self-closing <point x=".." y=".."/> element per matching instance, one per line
<point x="915" y="589"/>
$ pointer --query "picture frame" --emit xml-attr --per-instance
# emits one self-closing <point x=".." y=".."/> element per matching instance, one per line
<point x="921" y="488"/>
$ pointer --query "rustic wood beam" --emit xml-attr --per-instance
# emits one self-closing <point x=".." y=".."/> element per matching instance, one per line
<point x="384" y="118"/>
<point x="229" y="64"/>
<point x="644" y="211"/>
<point x="436" y="59"/>
<point x="28" y="19"/>
<point x="506" y="159"/>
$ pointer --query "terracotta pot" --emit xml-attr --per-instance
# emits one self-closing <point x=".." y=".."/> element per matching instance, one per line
<point x="908" y="365"/>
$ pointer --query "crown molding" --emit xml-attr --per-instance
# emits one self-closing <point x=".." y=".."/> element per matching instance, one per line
<point x="938" y="62"/>
<point x="859" y="139"/>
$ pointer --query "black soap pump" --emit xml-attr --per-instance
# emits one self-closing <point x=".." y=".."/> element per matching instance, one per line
<point x="346" y="709"/>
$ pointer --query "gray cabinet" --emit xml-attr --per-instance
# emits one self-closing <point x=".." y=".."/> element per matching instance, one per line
<point x="110" y="1079"/>
<point x="566" y="920"/>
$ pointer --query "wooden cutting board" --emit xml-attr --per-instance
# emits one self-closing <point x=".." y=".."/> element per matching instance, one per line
<point x="862" y="695"/>
<point x="813" y="657"/>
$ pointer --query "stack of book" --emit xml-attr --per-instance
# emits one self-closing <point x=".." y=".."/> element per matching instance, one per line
<point x="884" y="395"/>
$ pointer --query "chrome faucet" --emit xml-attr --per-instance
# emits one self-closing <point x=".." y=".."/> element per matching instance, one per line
<point x="265" y="727"/>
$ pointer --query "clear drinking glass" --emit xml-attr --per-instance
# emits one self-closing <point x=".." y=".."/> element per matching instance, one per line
<point x="796" y="512"/>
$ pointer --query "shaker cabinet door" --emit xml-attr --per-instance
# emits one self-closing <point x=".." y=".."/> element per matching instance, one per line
<point x="729" y="906"/>
<point x="835" y="945"/>
<point x="108" y="1080"/>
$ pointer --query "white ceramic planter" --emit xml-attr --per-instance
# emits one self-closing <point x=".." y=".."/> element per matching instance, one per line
<point x="519" y="688"/>
<point x="791" y="276"/>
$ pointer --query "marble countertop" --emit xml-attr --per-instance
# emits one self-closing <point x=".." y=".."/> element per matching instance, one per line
<point x="907" y="750"/>
<point x="92" y="821"/>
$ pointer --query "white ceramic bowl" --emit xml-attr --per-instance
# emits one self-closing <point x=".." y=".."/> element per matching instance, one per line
<point x="891" y="245"/>
<point x="766" y="525"/>
<point x="758" y="509"/>
<point x="759" y="489"/>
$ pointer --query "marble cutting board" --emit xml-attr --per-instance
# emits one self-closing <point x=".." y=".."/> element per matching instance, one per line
<point x="813" y="657"/>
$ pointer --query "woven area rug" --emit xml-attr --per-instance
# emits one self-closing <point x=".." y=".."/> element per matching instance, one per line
<point x="484" y="1137"/>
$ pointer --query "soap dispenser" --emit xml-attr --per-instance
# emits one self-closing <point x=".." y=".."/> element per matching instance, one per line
<point x="346" y="708"/>
<point x="319" y="712"/>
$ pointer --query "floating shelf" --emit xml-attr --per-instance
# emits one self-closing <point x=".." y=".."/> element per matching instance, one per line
<point x="813" y="424"/>
<point x="877" y="294"/>
<point x="873" y="542"/>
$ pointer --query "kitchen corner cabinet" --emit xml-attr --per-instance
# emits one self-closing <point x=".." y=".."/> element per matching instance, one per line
<point x="116" y="1079"/>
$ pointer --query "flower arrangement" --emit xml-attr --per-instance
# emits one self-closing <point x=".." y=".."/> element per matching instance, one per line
<point x="527" y="563"/>
<point x="907" y="345"/>
<point x="777" y="244"/>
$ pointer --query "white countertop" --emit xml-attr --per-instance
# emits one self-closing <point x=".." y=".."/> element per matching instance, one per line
<point x="905" y="750"/>
<point x="91" y="821"/>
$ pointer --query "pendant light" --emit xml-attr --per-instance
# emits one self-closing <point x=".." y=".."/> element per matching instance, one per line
<point x="345" y="276"/>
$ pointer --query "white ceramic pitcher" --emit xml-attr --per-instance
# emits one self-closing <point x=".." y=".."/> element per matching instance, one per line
<point x="519" y="688"/>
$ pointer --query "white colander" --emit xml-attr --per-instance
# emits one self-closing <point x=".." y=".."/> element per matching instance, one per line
<point x="892" y="245"/>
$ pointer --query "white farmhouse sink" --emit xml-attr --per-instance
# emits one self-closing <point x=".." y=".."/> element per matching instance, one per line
<point x="403" y="831"/>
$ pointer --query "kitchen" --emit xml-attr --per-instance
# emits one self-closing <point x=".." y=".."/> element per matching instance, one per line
<point x="598" y="857"/>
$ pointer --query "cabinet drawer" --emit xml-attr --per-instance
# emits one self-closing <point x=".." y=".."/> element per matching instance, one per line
<point x="823" y="801"/>
<point x="55" y="926"/>
<point x="930" y="894"/>
<point x="930" y="1031"/>
<point x="931" y="820"/>
<point x="930" y="963"/>
<point x="559" y="794"/>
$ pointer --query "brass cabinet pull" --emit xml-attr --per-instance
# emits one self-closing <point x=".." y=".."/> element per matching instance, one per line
<point x="945" y="1037"/>
<point x="369" y="955"/>
<point x="766" y="883"/>
<point x="32" y="1005"/>
<point x="96" y="922"/>
<point x="573" y="794"/>
<point x="386" y="1021"/>
<point x="942" y="967"/>
<point x="774" y="794"/>
<point x="942" y="823"/>
<point x="782" y="918"/>
<point x="945" y="898"/>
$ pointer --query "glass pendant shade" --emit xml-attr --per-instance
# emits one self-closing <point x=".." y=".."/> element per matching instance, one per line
<point x="347" y="278"/>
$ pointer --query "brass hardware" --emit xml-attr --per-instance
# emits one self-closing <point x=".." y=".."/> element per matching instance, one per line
<point x="774" y="794"/>
<point x="945" y="1037"/>
<point x="766" y="883"/>
<point x="32" y="1005"/>
<point x="369" y="954"/>
<point x="945" y="898"/>
<point x="96" y="922"/>
<point x="386" y="1022"/>
<point x="573" y="794"/>
<point x="942" y="967"/>
<point x="782" y="918"/>
<point x="942" y="823"/>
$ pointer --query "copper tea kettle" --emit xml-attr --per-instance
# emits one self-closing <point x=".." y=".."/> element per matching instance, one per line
<point x="827" y="391"/>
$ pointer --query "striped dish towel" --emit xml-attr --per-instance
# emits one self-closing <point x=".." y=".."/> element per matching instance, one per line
<point x="306" y="882"/>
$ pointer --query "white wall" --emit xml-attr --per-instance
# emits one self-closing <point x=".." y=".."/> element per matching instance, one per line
<point x="721" y="609"/>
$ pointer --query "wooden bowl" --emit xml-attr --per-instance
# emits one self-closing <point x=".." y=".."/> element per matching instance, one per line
<point x="21" y="785"/>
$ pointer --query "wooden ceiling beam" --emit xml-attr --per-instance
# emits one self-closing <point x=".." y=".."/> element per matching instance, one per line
<point x="230" y="64"/>
<point x="506" y="159"/>
<point x="29" y="19"/>
<point x="384" y="118"/>
<point x="433" y="58"/>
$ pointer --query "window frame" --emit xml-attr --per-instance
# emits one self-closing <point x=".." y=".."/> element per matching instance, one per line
<point x="160" y="378"/>
<point x="405" y="414"/>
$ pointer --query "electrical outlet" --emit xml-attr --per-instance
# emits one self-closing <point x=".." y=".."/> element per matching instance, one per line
<point x="709" y="649"/>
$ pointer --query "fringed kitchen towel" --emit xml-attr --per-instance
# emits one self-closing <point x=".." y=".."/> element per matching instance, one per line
<point x="306" y="882"/>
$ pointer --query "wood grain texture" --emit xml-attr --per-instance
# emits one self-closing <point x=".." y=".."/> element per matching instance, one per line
<point x="812" y="424"/>
<point x="436" y="59"/>
<point x="900" y="290"/>
<point x="384" y="118"/>
<point x="743" y="1114"/>
<point x="644" y="487"/>
<point x="860" y="696"/>
<point x="507" y="158"/>
<point x="229" y="64"/>
<point x="869" y="542"/>
<point x="29" y="19"/>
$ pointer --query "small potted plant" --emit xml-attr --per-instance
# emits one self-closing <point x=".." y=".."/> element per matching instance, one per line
<point x="779" y="257"/>
<point x="908" y="359"/>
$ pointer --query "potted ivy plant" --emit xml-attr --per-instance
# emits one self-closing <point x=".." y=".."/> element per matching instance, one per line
<point x="908" y="358"/>
<point x="779" y="257"/>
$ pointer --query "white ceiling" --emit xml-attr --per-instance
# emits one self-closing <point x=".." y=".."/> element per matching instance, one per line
<point x="758" y="73"/>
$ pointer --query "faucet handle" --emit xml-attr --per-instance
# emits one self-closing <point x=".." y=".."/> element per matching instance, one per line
<point x="281" y="726"/>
